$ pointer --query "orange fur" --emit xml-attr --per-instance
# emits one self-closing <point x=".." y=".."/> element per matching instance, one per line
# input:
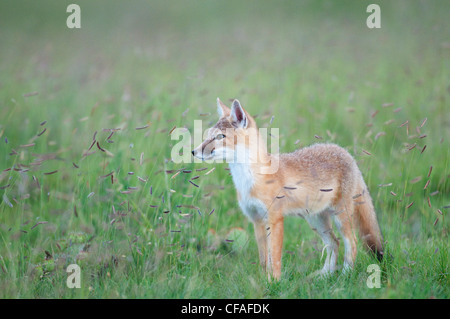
<point x="319" y="183"/>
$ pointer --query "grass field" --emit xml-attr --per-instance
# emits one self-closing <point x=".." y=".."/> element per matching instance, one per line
<point x="72" y="193"/>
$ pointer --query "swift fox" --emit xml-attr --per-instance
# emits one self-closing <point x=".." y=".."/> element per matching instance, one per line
<point x="318" y="183"/>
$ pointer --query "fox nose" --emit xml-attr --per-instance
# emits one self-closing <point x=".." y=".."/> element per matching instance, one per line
<point x="193" y="152"/>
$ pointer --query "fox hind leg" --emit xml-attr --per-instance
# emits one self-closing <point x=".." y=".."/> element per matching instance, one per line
<point x="321" y="223"/>
<point x="345" y="223"/>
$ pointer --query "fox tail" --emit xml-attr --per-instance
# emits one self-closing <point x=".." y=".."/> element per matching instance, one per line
<point x="369" y="229"/>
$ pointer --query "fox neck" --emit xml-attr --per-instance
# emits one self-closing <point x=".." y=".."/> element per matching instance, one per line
<point x="244" y="170"/>
<point x="242" y="177"/>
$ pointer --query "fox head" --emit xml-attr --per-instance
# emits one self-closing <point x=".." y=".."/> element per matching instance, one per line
<point x="232" y="138"/>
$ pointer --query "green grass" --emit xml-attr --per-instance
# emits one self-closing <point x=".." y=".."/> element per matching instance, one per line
<point x="315" y="66"/>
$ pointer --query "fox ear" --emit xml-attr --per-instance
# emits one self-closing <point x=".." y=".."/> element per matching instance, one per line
<point x="238" y="114"/>
<point x="222" y="109"/>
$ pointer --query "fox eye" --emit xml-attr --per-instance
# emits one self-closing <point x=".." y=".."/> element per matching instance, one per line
<point x="220" y="136"/>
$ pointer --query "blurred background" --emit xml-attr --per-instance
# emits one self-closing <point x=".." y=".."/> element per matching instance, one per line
<point x="314" y="65"/>
<point x="193" y="47"/>
<point x="311" y="68"/>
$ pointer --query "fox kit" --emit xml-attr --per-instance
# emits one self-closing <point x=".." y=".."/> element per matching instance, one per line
<point x="318" y="183"/>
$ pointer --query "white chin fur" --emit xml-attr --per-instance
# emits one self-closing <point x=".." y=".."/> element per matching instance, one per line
<point x="223" y="154"/>
<point x="202" y="158"/>
<point x="218" y="155"/>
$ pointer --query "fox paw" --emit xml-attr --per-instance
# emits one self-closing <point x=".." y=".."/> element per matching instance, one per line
<point x="322" y="273"/>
